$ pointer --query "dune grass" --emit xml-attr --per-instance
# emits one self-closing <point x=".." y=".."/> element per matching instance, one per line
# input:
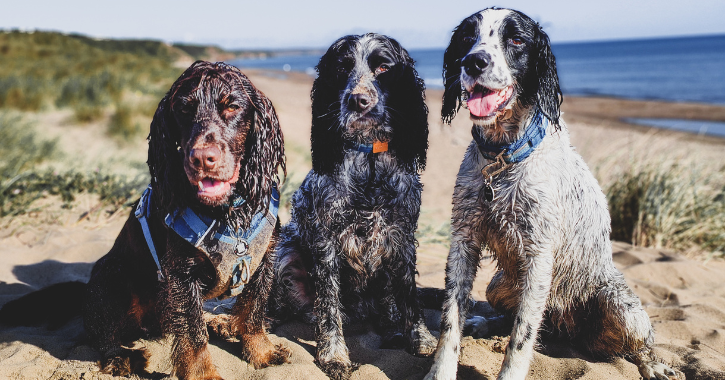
<point x="24" y="179"/>
<point x="46" y="70"/>
<point x="675" y="205"/>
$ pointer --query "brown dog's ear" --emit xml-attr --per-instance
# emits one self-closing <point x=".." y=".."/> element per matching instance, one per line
<point x="264" y="155"/>
<point x="164" y="159"/>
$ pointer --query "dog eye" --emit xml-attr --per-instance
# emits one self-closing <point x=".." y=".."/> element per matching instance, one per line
<point x="516" y="41"/>
<point x="469" y="40"/>
<point x="382" y="68"/>
<point x="345" y="67"/>
<point x="232" y="107"/>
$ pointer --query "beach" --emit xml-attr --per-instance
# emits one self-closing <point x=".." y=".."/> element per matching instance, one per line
<point x="683" y="292"/>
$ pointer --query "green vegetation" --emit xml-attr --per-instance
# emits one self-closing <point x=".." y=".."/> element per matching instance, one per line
<point x="118" y="82"/>
<point x="23" y="180"/>
<point x="676" y="206"/>
<point x="43" y="70"/>
<point x="430" y="234"/>
<point x="122" y="124"/>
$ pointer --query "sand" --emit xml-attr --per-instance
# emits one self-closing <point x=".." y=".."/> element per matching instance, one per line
<point x="684" y="297"/>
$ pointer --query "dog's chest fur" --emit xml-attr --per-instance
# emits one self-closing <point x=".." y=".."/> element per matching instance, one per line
<point x="540" y="205"/>
<point x="368" y="213"/>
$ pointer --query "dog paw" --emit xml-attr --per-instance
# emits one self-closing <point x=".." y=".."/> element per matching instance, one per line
<point x="194" y="365"/>
<point x="423" y="343"/>
<point x="280" y="355"/>
<point x="336" y="370"/>
<point x="125" y="362"/>
<point x="219" y="325"/>
<point x="261" y="353"/>
<point x="476" y="326"/>
<point x="441" y="373"/>
<point x="655" y="370"/>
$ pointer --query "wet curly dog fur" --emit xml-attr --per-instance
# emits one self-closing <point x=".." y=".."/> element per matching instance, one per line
<point x="349" y="250"/>
<point x="544" y="218"/>
<point x="214" y="138"/>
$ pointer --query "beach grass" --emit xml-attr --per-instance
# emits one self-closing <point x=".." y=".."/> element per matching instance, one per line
<point x="677" y="205"/>
<point x="25" y="179"/>
<point x="49" y="70"/>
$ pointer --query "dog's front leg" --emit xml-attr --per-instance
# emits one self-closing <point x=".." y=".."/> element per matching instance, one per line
<point x="420" y="340"/>
<point x="461" y="270"/>
<point x="536" y="268"/>
<point x="183" y="319"/>
<point x="249" y="312"/>
<point x="332" y="354"/>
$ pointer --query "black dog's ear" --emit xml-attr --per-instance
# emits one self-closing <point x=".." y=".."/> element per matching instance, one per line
<point x="164" y="160"/>
<point x="462" y="40"/>
<point x="264" y="155"/>
<point x="409" y="115"/>
<point x="326" y="137"/>
<point x="548" y="96"/>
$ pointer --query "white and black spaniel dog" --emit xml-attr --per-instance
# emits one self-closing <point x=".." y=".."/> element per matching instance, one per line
<point x="349" y="251"/>
<point x="524" y="194"/>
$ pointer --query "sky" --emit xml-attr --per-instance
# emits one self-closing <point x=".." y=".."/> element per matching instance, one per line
<point x="270" y="24"/>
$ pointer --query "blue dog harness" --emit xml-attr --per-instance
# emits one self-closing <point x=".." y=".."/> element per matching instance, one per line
<point x="234" y="253"/>
<point x="503" y="156"/>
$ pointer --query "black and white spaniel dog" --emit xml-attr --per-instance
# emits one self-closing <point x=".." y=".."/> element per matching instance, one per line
<point x="523" y="193"/>
<point x="349" y="251"/>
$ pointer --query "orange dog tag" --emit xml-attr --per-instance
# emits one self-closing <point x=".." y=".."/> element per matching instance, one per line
<point x="379" y="146"/>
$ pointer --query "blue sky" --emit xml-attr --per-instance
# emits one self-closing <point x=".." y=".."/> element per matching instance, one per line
<point x="316" y="23"/>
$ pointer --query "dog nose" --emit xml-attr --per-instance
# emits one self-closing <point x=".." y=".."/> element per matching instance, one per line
<point x="359" y="102"/>
<point x="205" y="158"/>
<point x="475" y="63"/>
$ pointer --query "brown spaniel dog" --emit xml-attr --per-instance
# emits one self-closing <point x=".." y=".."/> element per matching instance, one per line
<point x="208" y="219"/>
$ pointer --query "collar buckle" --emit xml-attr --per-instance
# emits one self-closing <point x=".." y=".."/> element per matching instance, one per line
<point x="496" y="167"/>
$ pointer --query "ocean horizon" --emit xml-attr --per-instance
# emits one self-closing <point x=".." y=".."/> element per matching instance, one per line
<point x="676" y="69"/>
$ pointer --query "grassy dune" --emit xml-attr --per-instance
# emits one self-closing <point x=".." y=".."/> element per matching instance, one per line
<point x="95" y="78"/>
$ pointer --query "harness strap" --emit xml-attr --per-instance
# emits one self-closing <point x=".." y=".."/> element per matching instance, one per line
<point x="194" y="228"/>
<point x="212" y="237"/>
<point x="198" y="226"/>
<point x="142" y="210"/>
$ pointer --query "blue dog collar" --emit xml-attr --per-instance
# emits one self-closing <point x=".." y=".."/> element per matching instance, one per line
<point x="375" y="147"/>
<point x="519" y="149"/>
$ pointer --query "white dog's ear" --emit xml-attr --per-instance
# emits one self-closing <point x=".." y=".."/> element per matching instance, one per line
<point x="548" y="96"/>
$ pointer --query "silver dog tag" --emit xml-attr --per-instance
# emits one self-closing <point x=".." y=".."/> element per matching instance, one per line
<point x="487" y="192"/>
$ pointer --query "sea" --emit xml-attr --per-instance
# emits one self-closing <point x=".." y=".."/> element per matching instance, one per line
<point x="684" y="69"/>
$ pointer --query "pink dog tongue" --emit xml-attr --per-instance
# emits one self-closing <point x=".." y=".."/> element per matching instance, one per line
<point x="484" y="105"/>
<point x="214" y="186"/>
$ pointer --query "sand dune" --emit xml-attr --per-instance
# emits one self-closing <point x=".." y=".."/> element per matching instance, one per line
<point x="685" y="298"/>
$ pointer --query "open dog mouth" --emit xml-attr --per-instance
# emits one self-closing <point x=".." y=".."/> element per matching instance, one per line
<point x="213" y="189"/>
<point x="484" y="102"/>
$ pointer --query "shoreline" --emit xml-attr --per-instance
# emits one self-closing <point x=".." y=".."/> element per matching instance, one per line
<point x="608" y="111"/>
